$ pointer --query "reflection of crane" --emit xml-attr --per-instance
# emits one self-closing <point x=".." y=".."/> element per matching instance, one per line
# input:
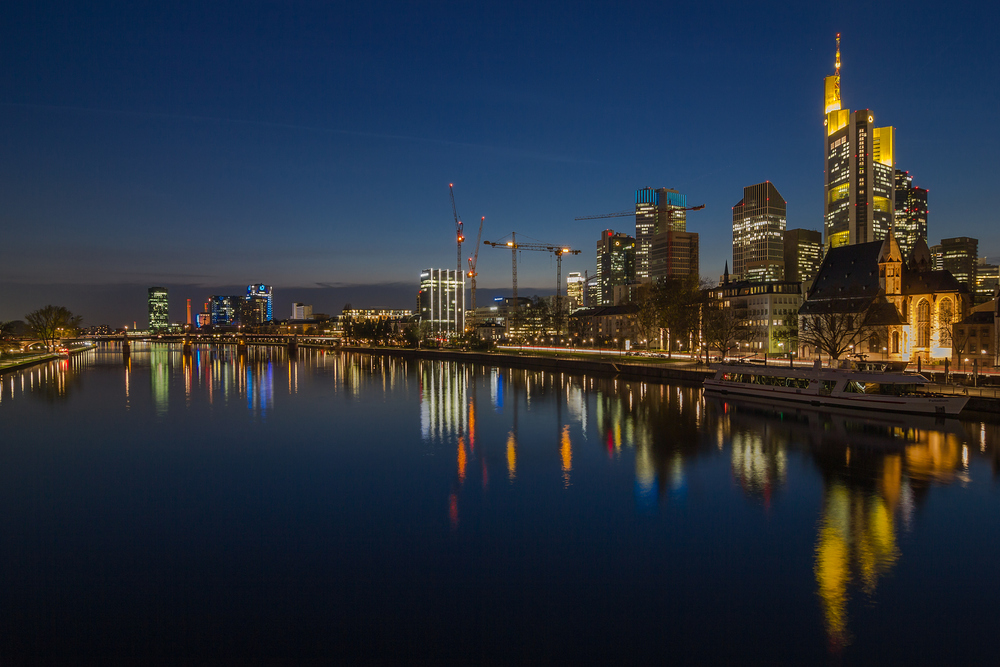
<point x="458" y="228"/>
<point x="475" y="260"/>
<point x="514" y="246"/>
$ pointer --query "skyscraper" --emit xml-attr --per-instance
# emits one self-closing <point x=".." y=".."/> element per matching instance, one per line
<point x="616" y="263"/>
<point x="803" y="254"/>
<point x="441" y="301"/>
<point x="673" y="254"/>
<point x="225" y="311"/>
<point x="259" y="304"/>
<point x="910" y="213"/>
<point x="960" y="257"/>
<point x="159" y="307"/>
<point x="574" y="289"/>
<point x="859" y="197"/>
<point x="759" y="234"/>
<point x="656" y="211"/>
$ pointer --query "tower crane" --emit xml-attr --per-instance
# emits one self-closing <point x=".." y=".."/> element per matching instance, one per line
<point x="514" y="246"/>
<point x="458" y="228"/>
<point x="475" y="260"/>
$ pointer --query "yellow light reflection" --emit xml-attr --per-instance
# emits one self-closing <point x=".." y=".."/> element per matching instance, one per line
<point x="461" y="460"/>
<point x="566" y="453"/>
<point x="511" y="456"/>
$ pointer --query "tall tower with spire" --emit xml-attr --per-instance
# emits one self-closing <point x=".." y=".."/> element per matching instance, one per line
<point x="859" y="192"/>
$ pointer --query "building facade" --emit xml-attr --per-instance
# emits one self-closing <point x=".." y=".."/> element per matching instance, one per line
<point x="768" y="311"/>
<point x="959" y="256"/>
<point x="159" y="309"/>
<point x="616" y="263"/>
<point x="910" y="214"/>
<point x="301" y="311"/>
<point x="859" y="189"/>
<point x="987" y="280"/>
<point x="657" y="210"/>
<point x="673" y="254"/>
<point x="259" y="304"/>
<point x="441" y="301"/>
<point x="803" y="254"/>
<point x="759" y="234"/>
<point x="574" y="290"/>
<point x="225" y="311"/>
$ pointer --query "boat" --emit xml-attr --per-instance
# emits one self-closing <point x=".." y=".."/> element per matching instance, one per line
<point x="859" y="385"/>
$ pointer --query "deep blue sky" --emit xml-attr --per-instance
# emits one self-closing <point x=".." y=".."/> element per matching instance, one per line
<point x="310" y="145"/>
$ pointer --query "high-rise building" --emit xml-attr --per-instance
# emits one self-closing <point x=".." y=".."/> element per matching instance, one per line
<point x="987" y="279"/>
<point x="656" y="211"/>
<point x="159" y="307"/>
<point x="673" y="254"/>
<point x="574" y="289"/>
<point x="441" y="301"/>
<point x="225" y="311"/>
<point x="615" y="263"/>
<point x="910" y="213"/>
<point x="259" y="304"/>
<point x="959" y="256"/>
<point x="859" y="193"/>
<point x="803" y="254"/>
<point x="301" y="311"/>
<point x="759" y="234"/>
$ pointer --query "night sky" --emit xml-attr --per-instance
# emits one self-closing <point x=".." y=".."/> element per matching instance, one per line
<point x="204" y="146"/>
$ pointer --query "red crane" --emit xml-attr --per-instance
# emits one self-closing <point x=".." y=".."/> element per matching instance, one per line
<point x="475" y="260"/>
<point x="458" y="228"/>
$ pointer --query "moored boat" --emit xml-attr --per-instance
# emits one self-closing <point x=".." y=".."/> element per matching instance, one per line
<point x="867" y="386"/>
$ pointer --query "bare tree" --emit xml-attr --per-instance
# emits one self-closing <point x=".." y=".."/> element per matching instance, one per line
<point x="647" y="318"/>
<point x="723" y="330"/>
<point x="50" y="323"/>
<point x="833" y="332"/>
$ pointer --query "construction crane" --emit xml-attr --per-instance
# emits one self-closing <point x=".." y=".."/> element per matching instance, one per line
<point x="475" y="260"/>
<point x="458" y="228"/>
<point x="514" y="246"/>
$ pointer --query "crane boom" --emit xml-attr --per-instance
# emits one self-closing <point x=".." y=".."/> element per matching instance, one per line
<point x="458" y="228"/>
<point x="514" y="246"/>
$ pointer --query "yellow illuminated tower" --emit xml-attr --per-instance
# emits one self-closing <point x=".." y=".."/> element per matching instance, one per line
<point x="859" y="193"/>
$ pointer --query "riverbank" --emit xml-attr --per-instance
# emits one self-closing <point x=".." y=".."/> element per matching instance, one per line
<point x="32" y="360"/>
<point x="681" y="371"/>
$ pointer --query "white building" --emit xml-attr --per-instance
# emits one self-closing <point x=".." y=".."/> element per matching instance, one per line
<point x="441" y="300"/>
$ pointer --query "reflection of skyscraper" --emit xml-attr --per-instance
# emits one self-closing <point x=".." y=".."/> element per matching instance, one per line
<point x="859" y="196"/>
<point x="159" y="376"/>
<point x="159" y="317"/>
<point x="443" y="398"/>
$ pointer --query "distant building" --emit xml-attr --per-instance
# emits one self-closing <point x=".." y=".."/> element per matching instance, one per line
<point x="301" y="311"/>
<point x="368" y="314"/>
<point x="604" y="325"/>
<point x="225" y="311"/>
<point x="759" y="234"/>
<point x="859" y="191"/>
<point x="910" y="213"/>
<point x="258" y="305"/>
<point x="673" y="254"/>
<point x="441" y="300"/>
<point x="803" y="254"/>
<point x="615" y="263"/>
<point x="574" y="289"/>
<point x="960" y="256"/>
<point x="159" y="307"/>
<point x="987" y="280"/>
<point x="204" y="319"/>
<point x="656" y="211"/>
<point x="975" y="339"/>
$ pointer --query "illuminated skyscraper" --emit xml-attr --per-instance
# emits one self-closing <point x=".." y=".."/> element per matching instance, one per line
<point x="224" y="310"/>
<point x="803" y="254"/>
<point x="615" y="263"/>
<point x="910" y="214"/>
<point x="258" y="306"/>
<point x="859" y="197"/>
<point x="759" y="234"/>
<point x="960" y="257"/>
<point x="656" y="211"/>
<point x="441" y="301"/>
<point x="574" y="289"/>
<point x="159" y="316"/>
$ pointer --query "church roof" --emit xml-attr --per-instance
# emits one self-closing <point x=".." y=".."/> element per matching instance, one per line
<point x="850" y="271"/>
<point x="928" y="282"/>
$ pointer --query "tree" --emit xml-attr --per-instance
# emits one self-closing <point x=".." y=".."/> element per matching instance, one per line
<point x="647" y="318"/>
<point x="52" y="322"/>
<point x="723" y="330"/>
<point x="833" y="332"/>
<point x="680" y="300"/>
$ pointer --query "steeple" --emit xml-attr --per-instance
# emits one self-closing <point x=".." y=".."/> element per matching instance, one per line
<point x="725" y="276"/>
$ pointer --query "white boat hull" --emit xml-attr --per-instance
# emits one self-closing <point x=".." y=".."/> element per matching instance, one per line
<point x="916" y="404"/>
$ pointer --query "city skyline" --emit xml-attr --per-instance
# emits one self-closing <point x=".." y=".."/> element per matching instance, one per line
<point x="131" y="160"/>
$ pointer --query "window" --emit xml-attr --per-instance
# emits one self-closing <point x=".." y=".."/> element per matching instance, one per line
<point x="895" y="342"/>
<point x="923" y="323"/>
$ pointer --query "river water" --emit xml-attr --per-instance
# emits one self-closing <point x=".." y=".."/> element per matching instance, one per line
<point x="256" y="509"/>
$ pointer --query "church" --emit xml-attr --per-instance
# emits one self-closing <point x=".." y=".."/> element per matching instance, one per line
<point x="870" y="300"/>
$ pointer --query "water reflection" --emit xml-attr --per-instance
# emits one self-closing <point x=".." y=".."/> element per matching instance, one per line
<point x="571" y="435"/>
